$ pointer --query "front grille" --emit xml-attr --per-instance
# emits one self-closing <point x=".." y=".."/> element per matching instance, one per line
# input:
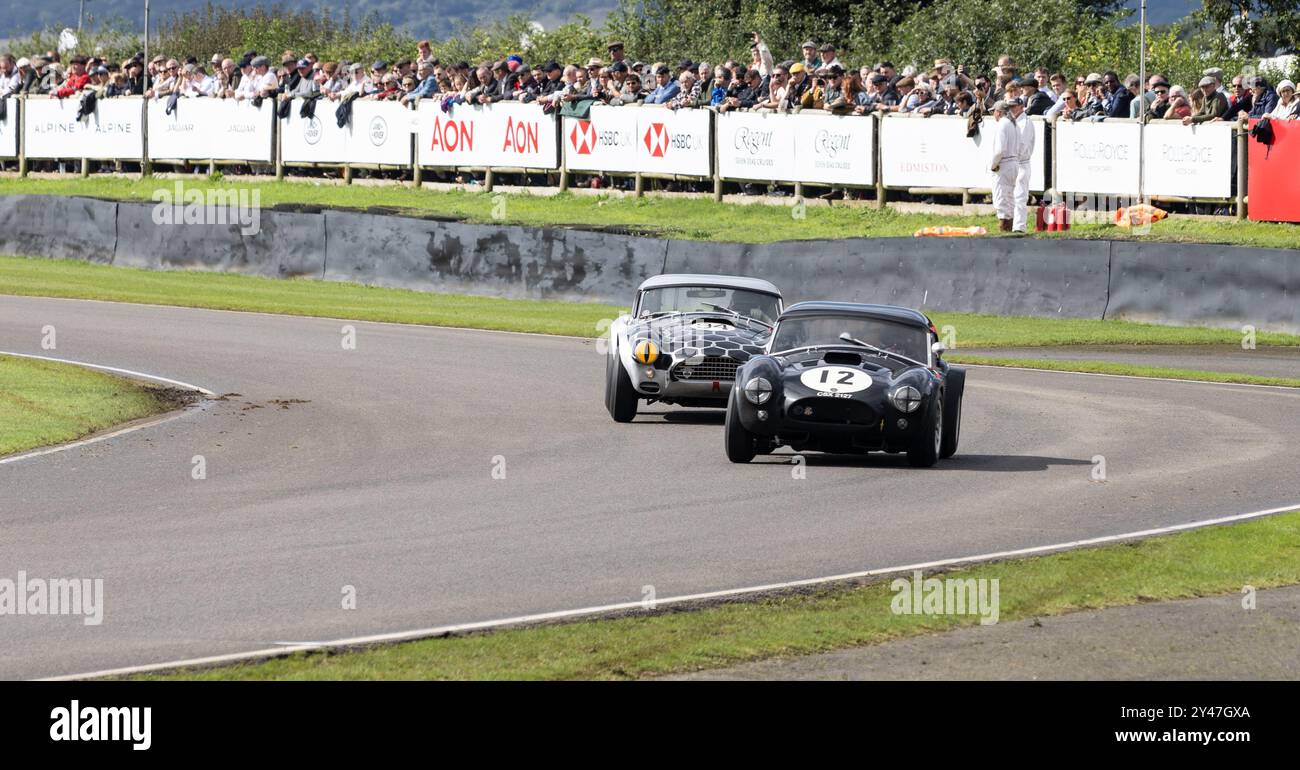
<point x="834" y="411"/>
<point x="711" y="368"/>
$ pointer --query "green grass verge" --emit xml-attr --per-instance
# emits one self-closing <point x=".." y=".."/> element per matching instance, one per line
<point x="68" y="278"/>
<point x="1216" y="560"/>
<point x="1130" y="370"/>
<point x="700" y="219"/>
<point x="44" y="403"/>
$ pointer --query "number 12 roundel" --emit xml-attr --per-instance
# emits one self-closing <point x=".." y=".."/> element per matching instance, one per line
<point x="836" y="379"/>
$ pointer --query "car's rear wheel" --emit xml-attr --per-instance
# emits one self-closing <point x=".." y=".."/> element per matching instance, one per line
<point x="620" y="397"/>
<point x="954" y="389"/>
<point x="740" y="441"/>
<point x="924" y="451"/>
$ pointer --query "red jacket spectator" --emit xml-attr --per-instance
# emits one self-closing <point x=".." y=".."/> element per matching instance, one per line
<point x="73" y="84"/>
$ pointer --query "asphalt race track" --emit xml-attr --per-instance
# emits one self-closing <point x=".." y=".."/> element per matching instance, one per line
<point x="373" y="468"/>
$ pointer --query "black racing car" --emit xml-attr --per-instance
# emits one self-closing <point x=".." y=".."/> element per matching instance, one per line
<point x="848" y="378"/>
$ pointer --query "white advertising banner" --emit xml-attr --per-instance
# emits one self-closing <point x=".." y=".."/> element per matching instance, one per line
<point x="9" y="129"/>
<point x="504" y="134"/>
<point x="379" y="133"/>
<point x="211" y="129"/>
<point x="650" y="140"/>
<point x="114" y="132"/>
<point x="1097" y="157"/>
<point x="1189" y="161"/>
<point x="935" y="152"/>
<point x="796" y="148"/>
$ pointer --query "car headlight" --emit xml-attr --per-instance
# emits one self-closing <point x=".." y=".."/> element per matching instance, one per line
<point x="758" y="390"/>
<point x="905" y="399"/>
<point x="646" y="352"/>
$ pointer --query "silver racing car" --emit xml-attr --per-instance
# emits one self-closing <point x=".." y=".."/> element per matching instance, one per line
<point x="684" y="340"/>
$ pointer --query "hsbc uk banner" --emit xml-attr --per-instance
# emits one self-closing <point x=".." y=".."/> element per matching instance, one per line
<point x="831" y="149"/>
<point x="648" y="140"/>
<point x="379" y="133"/>
<point x="503" y="134"/>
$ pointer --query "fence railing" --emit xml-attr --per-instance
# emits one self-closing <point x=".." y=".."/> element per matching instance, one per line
<point x="920" y="155"/>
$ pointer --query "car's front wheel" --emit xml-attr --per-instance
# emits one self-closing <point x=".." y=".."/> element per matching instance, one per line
<point x="620" y="397"/>
<point x="953" y="391"/>
<point x="924" y="451"/>
<point x="739" y="440"/>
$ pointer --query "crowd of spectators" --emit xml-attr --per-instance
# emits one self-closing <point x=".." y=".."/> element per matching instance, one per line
<point x="814" y="80"/>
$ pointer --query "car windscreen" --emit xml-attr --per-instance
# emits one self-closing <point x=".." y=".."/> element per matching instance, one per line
<point x="691" y="299"/>
<point x="802" y="331"/>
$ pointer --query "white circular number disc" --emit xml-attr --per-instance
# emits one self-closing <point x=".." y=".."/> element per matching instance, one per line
<point x="836" y="379"/>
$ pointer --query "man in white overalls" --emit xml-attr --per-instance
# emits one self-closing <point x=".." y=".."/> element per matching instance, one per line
<point x="1024" y="150"/>
<point x="1004" y="163"/>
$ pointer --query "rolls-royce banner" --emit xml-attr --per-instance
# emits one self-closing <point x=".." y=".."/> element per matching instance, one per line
<point x="114" y="131"/>
<point x="504" y="134"/>
<point x="935" y="152"/>
<point x="652" y="140"/>
<point x="1190" y="161"/>
<point x="1097" y="157"/>
<point x="379" y="133"/>
<point x="804" y="147"/>
<point x="9" y="129"/>
<point x="202" y="128"/>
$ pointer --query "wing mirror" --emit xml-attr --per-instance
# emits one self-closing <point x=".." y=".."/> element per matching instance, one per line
<point x="938" y="348"/>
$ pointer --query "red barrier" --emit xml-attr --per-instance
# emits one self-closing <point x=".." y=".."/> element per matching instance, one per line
<point x="1274" y="184"/>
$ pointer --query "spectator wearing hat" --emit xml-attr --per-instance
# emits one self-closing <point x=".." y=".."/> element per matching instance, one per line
<point x="246" y="86"/>
<point x="306" y="84"/>
<point x="828" y="57"/>
<point x="1214" y="106"/>
<point x="616" y="52"/>
<point x="1004" y="165"/>
<point x="265" y="82"/>
<point x="800" y="81"/>
<point x="1149" y="97"/>
<point x="78" y="78"/>
<point x="810" y="61"/>
<point x="1094" y="104"/>
<point x="1036" y="102"/>
<point x="1288" y="106"/>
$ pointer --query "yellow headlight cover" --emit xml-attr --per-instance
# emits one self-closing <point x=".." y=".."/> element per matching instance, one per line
<point x="646" y="352"/>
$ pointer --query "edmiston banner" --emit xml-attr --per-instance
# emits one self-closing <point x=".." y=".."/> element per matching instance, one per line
<point x="935" y="152"/>
<point x="650" y="140"/>
<point x="203" y="128"/>
<point x="804" y="147"/>
<point x="114" y="132"/>
<point x="503" y="134"/>
<point x="379" y="133"/>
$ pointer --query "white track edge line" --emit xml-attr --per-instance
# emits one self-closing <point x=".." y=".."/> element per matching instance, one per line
<point x="103" y="436"/>
<point x="437" y="631"/>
